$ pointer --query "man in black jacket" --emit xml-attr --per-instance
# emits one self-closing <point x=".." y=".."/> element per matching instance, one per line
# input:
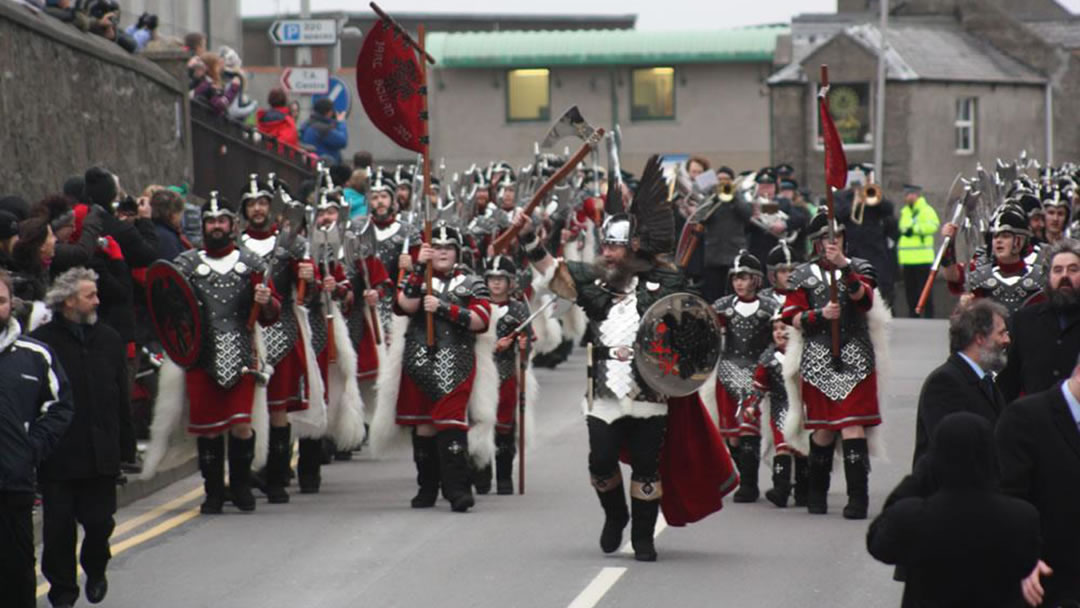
<point x="978" y="340"/>
<point x="1046" y="336"/>
<point x="78" y="481"/>
<point x="35" y="409"/>
<point x="1038" y="440"/>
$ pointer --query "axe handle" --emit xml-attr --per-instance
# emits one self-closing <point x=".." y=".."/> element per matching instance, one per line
<point x="691" y="246"/>
<point x="523" y="365"/>
<point x="503" y="242"/>
<point x="927" y="288"/>
<point x="427" y="283"/>
<point x="253" y="316"/>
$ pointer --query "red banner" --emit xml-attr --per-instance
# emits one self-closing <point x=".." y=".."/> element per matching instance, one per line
<point x="388" y="84"/>
<point x="835" y="161"/>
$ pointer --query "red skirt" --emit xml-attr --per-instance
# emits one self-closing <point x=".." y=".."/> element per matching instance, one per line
<point x="286" y="391"/>
<point x="367" y="356"/>
<point x="859" y="408"/>
<point x="214" y="409"/>
<point x="726" y="406"/>
<point x="414" y="407"/>
<point x="508" y="401"/>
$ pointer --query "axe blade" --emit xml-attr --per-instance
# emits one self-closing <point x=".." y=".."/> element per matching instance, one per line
<point x="571" y="123"/>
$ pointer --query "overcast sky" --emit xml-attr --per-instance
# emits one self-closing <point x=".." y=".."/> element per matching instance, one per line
<point x="652" y="15"/>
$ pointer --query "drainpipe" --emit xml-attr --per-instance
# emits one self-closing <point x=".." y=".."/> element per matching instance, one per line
<point x="1049" y="124"/>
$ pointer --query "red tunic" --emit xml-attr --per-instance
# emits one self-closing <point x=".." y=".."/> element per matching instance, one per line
<point x="367" y="354"/>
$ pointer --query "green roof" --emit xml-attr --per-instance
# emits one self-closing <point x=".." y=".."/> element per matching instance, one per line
<point x="518" y="49"/>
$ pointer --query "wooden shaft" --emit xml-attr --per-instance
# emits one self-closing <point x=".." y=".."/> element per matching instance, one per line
<point x="394" y="24"/>
<point x="831" y="207"/>
<point x="927" y="288"/>
<point x="503" y="242"/>
<point x="691" y="246"/>
<point x="523" y="366"/>
<point x="424" y="132"/>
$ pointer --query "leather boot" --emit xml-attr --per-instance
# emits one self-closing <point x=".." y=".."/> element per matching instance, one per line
<point x="820" y="472"/>
<point x="309" y="466"/>
<point x="241" y="453"/>
<point x="857" y="473"/>
<point x="426" y="457"/>
<point x="454" y="467"/>
<point x="642" y="528"/>
<point x="328" y="451"/>
<point x="749" y="460"/>
<point x="481" y="478"/>
<point x="212" y="467"/>
<point x="781" y="481"/>
<point x="277" y="464"/>
<point x="801" y="473"/>
<point x="616" y="516"/>
<point x="505" y="450"/>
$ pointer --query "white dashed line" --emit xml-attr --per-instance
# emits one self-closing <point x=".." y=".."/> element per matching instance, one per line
<point x="591" y="595"/>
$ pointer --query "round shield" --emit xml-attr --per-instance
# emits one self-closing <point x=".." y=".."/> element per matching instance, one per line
<point x="175" y="312"/>
<point x="677" y="344"/>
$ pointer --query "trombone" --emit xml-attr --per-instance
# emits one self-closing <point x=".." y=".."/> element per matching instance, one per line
<point x="867" y="196"/>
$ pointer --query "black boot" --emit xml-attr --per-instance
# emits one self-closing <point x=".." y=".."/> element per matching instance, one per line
<point x="643" y="527"/>
<point x="241" y="453"/>
<point x="616" y="516"/>
<point x="454" y="466"/>
<point x="781" y="481"/>
<point x="820" y="472"/>
<point x="857" y="473"/>
<point x="212" y="467"/>
<point x="749" y="459"/>
<point x="426" y="457"/>
<point x="481" y="478"/>
<point x="505" y="450"/>
<point x="328" y="451"/>
<point x="277" y="464"/>
<point x="801" y="473"/>
<point x="309" y="466"/>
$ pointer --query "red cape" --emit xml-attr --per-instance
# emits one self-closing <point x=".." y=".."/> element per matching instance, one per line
<point x="696" y="469"/>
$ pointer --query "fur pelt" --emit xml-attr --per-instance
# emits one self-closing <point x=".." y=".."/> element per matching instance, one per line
<point x="877" y="318"/>
<point x="260" y="410"/>
<point x="549" y="333"/>
<point x="574" y="322"/>
<point x="345" y="407"/>
<point x="482" y="406"/>
<point x="532" y="396"/>
<point x="707" y="393"/>
<point x="309" y="423"/>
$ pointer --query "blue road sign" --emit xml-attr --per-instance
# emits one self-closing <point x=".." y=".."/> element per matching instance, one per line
<point x="339" y="93"/>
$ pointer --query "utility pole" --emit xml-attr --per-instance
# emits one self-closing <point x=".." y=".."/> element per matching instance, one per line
<point x="879" y="112"/>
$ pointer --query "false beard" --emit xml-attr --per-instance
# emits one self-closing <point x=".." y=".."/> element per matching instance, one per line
<point x="618" y="276"/>
<point x="213" y="243"/>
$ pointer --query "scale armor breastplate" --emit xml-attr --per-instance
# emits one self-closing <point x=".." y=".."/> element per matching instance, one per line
<point x="281" y="337"/>
<point x="438" y="370"/>
<point x="614" y="379"/>
<point x="778" y="397"/>
<point x="745" y="337"/>
<point x="506" y="361"/>
<point x="1013" y="294"/>
<point x="227" y="298"/>
<point x="857" y="360"/>
<point x="388" y="243"/>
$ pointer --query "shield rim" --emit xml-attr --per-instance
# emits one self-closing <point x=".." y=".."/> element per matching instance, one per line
<point x="155" y="270"/>
<point x="637" y="340"/>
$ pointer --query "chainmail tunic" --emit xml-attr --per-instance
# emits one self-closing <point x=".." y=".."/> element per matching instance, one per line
<point x="1011" y="292"/>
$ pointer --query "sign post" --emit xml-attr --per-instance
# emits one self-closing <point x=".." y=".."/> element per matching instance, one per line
<point x="304" y="32"/>
<point x="306" y="80"/>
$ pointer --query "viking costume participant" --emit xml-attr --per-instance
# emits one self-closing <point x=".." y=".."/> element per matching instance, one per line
<point x="1006" y="276"/>
<point x="1056" y="209"/>
<point x="508" y="313"/>
<point x="370" y="285"/>
<point x="221" y="386"/>
<point x="287" y="352"/>
<point x="769" y="395"/>
<point x="441" y="390"/>
<point x="337" y="360"/>
<point x="781" y="262"/>
<point x="401" y="189"/>
<point x="395" y="238"/>
<point x="839" y="395"/>
<point x="744" y="318"/>
<point x="622" y="412"/>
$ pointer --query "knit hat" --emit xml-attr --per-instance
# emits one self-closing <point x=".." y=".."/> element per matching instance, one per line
<point x="9" y="225"/>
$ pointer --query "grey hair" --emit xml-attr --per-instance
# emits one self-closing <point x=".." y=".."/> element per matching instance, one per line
<point x="1063" y="246"/>
<point x="973" y="320"/>
<point x="67" y="285"/>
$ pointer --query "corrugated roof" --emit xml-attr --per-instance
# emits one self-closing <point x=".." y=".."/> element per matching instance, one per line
<point x="600" y="47"/>
<point x="937" y="50"/>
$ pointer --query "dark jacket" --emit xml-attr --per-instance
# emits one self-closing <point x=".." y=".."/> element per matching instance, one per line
<point x="138" y="240"/>
<point x="1042" y="352"/>
<point x="725" y="233"/>
<point x="169" y="243"/>
<point x="963" y="544"/>
<point x="328" y="136"/>
<point x="761" y="241"/>
<point x="100" y="436"/>
<point x="875" y="239"/>
<point x="35" y="407"/>
<point x="1039" y="454"/>
<point x="952" y="387"/>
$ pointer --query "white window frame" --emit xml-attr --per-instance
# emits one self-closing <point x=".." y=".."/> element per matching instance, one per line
<point x="968" y="124"/>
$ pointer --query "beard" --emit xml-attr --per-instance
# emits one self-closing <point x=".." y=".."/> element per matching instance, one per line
<point x="618" y="275"/>
<point x="260" y="225"/>
<point x="993" y="359"/>
<point x="216" y="240"/>
<point x="1064" y="297"/>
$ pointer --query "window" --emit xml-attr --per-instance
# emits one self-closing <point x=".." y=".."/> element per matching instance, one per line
<point x="965" y="125"/>
<point x="528" y="95"/>
<point x="849" y="105"/>
<point x="653" y="94"/>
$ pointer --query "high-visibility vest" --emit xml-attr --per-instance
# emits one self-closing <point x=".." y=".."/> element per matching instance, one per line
<point x="923" y="222"/>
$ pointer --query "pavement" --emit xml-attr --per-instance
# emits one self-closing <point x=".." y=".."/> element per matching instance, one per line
<point x="358" y="543"/>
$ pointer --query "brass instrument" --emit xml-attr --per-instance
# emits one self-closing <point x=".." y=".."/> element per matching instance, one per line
<point x="868" y="195"/>
<point x="726" y="192"/>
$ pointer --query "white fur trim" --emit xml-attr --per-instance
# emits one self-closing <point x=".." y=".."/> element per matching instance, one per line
<point x="484" y="400"/>
<point x="707" y="393"/>
<point x="345" y="407"/>
<point x="170" y="407"/>
<point x="260" y="410"/>
<point x="385" y="433"/>
<point x="309" y="423"/>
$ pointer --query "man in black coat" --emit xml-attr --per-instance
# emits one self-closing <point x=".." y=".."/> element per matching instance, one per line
<point x="1046" y="336"/>
<point x="35" y="410"/>
<point x="78" y="481"/>
<point x="965" y="544"/>
<point x="1038" y="439"/>
<point x="978" y="340"/>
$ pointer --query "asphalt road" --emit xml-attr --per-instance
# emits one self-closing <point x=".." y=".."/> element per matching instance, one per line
<point x="359" y="544"/>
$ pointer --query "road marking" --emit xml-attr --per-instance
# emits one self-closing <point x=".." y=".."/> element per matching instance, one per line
<point x="591" y="595"/>
<point x="661" y="525"/>
<point x="154" y="513"/>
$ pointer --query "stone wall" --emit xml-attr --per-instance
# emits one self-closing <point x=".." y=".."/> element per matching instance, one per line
<point x="70" y="100"/>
